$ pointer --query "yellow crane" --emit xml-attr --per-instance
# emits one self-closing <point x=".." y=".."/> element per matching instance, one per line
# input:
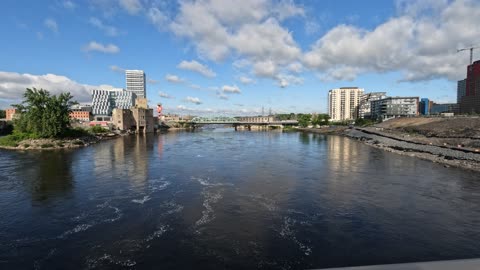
<point x="471" y="52"/>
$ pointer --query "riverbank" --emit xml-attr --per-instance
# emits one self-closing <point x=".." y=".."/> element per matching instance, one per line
<point x="60" y="143"/>
<point x="448" y="156"/>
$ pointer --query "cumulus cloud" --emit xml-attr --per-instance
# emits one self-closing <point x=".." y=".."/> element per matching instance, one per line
<point x="231" y="89"/>
<point x="193" y="100"/>
<point x="246" y="80"/>
<point x="13" y="85"/>
<point x="250" y="29"/>
<point x="95" y="46"/>
<point x="420" y="42"/>
<point x="197" y="67"/>
<point x="131" y="6"/>
<point x="164" y="95"/>
<point x="107" y="29"/>
<point x="181" y="109"/>
<point x="158" y="18"/>
<point x="152" y="81"/>
<point x="51" y="24"/>
<point x="174" y="78"/>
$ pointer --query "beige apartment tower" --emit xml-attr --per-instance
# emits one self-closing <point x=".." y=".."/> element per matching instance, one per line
<point x="343" y="103"/>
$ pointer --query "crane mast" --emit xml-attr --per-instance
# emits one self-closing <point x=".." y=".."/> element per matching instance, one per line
<point x="471" y="52"/>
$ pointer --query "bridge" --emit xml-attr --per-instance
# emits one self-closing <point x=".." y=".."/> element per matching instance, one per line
<point x="243" y="121"/>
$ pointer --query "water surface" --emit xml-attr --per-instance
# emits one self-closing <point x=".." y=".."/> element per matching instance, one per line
<point x="225" y="199"/>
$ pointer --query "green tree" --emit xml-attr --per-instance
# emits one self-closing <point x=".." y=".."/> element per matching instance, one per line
<point x="304" y="119"/>
<point x="42" y="114"/>
<point x="2" y="114"/>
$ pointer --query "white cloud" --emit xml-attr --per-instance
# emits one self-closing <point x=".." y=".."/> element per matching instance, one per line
<point x="193" y="100"/>
<point x="267" y="69"/>
<point x="117" y="69"/>
<point x="246" y="80"/>
<point x="13" y="85"/>
<point x="109" y="30"/>
<point x="152" y="81"/>
<point x="131" y="6"/>
<point x="174" y="78"/>
<point x="231" y="89"/>
<point x="51" y="24"/>
<point x="158" y="18"/>
<point x="164" y="95"/>
<point x="295" y="67"/>
<point x="195" y="86"/>
<point x="221" y="95"/>
<point x="69" y="4"/>
<point x="197" y="67"/>
<point x="94" y="46"/>
<point x="421" y="43"/>
<point x="209" y="111"/>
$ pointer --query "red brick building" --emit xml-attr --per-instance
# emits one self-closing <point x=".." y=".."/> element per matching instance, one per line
<point x="470" y="103"/>
<point x="9" y="114"/>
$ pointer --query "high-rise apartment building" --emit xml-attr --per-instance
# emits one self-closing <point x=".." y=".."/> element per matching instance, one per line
<point x="136" y="83"/>
<point x="470" y="103"/>
<point x="104" y="101"/>
<point x="343" y="103"/>
<point x="364" y="109"/>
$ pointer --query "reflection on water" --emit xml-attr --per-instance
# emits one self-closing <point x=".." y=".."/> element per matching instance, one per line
<point x="224" y="199"/>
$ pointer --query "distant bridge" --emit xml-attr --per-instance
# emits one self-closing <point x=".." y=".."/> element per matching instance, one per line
<point x="246" y="121"/>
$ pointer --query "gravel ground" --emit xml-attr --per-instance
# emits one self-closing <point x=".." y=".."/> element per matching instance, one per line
<point x="449" y="157"/>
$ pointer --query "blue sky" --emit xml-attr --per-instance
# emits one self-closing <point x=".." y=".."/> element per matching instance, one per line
<point x="233" y="57"/>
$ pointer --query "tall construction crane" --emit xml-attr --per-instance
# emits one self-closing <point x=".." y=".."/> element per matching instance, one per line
<point x="471" y="52"/>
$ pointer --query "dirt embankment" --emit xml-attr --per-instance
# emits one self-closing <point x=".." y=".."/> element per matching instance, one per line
<point x="450" y="141"/>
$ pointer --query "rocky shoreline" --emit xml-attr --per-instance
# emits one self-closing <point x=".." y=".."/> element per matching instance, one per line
<point x="64" y="143"/>
<point x="448" y="156"/>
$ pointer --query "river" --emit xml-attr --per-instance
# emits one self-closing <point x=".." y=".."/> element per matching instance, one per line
<point x="238" y="200"/>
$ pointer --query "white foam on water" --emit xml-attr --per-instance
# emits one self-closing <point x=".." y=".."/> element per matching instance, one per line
<point x="118" y="214"/>
<point x="156" y="187"/>
<point x="173" y="208"/>
<point x="143" y="200"/>
<point x="93" y="263"/>
<point x="156" y="234"/>
<point x="207" y="183"/>
<point x="208" y="214"/>
<point x="287" y="232"/>
<point x="77" y="229"/>
<point x="268" y="203"/>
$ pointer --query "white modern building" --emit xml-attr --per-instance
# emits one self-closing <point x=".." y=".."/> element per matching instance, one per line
<point x="104" y="101"/>
<point x="136" y="82"/>
<point x="364" y="109"/>
<point x="392" y="107"/>
<point x="343" y="103"/>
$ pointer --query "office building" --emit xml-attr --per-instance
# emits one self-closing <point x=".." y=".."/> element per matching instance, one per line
<point x="461" y="89"/>
<point x="444" y="108"/>
<point x="343" y="103"/>
<point x="136" y="83"/>
<point x="104" y="101"/>
<point x="364" y="109"/>
<point x="392" y="107"/>
<point x="425" y="106"/>
<point x="470" y="103"/>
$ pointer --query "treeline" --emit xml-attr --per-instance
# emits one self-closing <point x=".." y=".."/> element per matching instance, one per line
<point x="305" y="120"/>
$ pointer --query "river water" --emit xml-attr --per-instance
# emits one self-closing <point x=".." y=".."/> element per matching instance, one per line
<point x="225" y="199"/>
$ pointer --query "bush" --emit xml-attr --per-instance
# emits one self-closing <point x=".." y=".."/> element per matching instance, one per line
<point x="98" y="129"/>
<point x="26" y="145"/>
<point x="13" y="139"/>
<point x="75" y="133"/>
<point x="78" y="143"/>
<point x="60" y="144"/>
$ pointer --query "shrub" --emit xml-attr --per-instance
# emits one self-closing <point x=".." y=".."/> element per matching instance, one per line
<point x="26" y="145"/>
<point x="60" y="144"/>
<point x="78" y="143"/>
<point x="98" y="129"/>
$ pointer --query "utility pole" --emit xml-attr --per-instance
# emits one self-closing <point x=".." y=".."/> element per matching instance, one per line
<point x="471" y="52"/>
